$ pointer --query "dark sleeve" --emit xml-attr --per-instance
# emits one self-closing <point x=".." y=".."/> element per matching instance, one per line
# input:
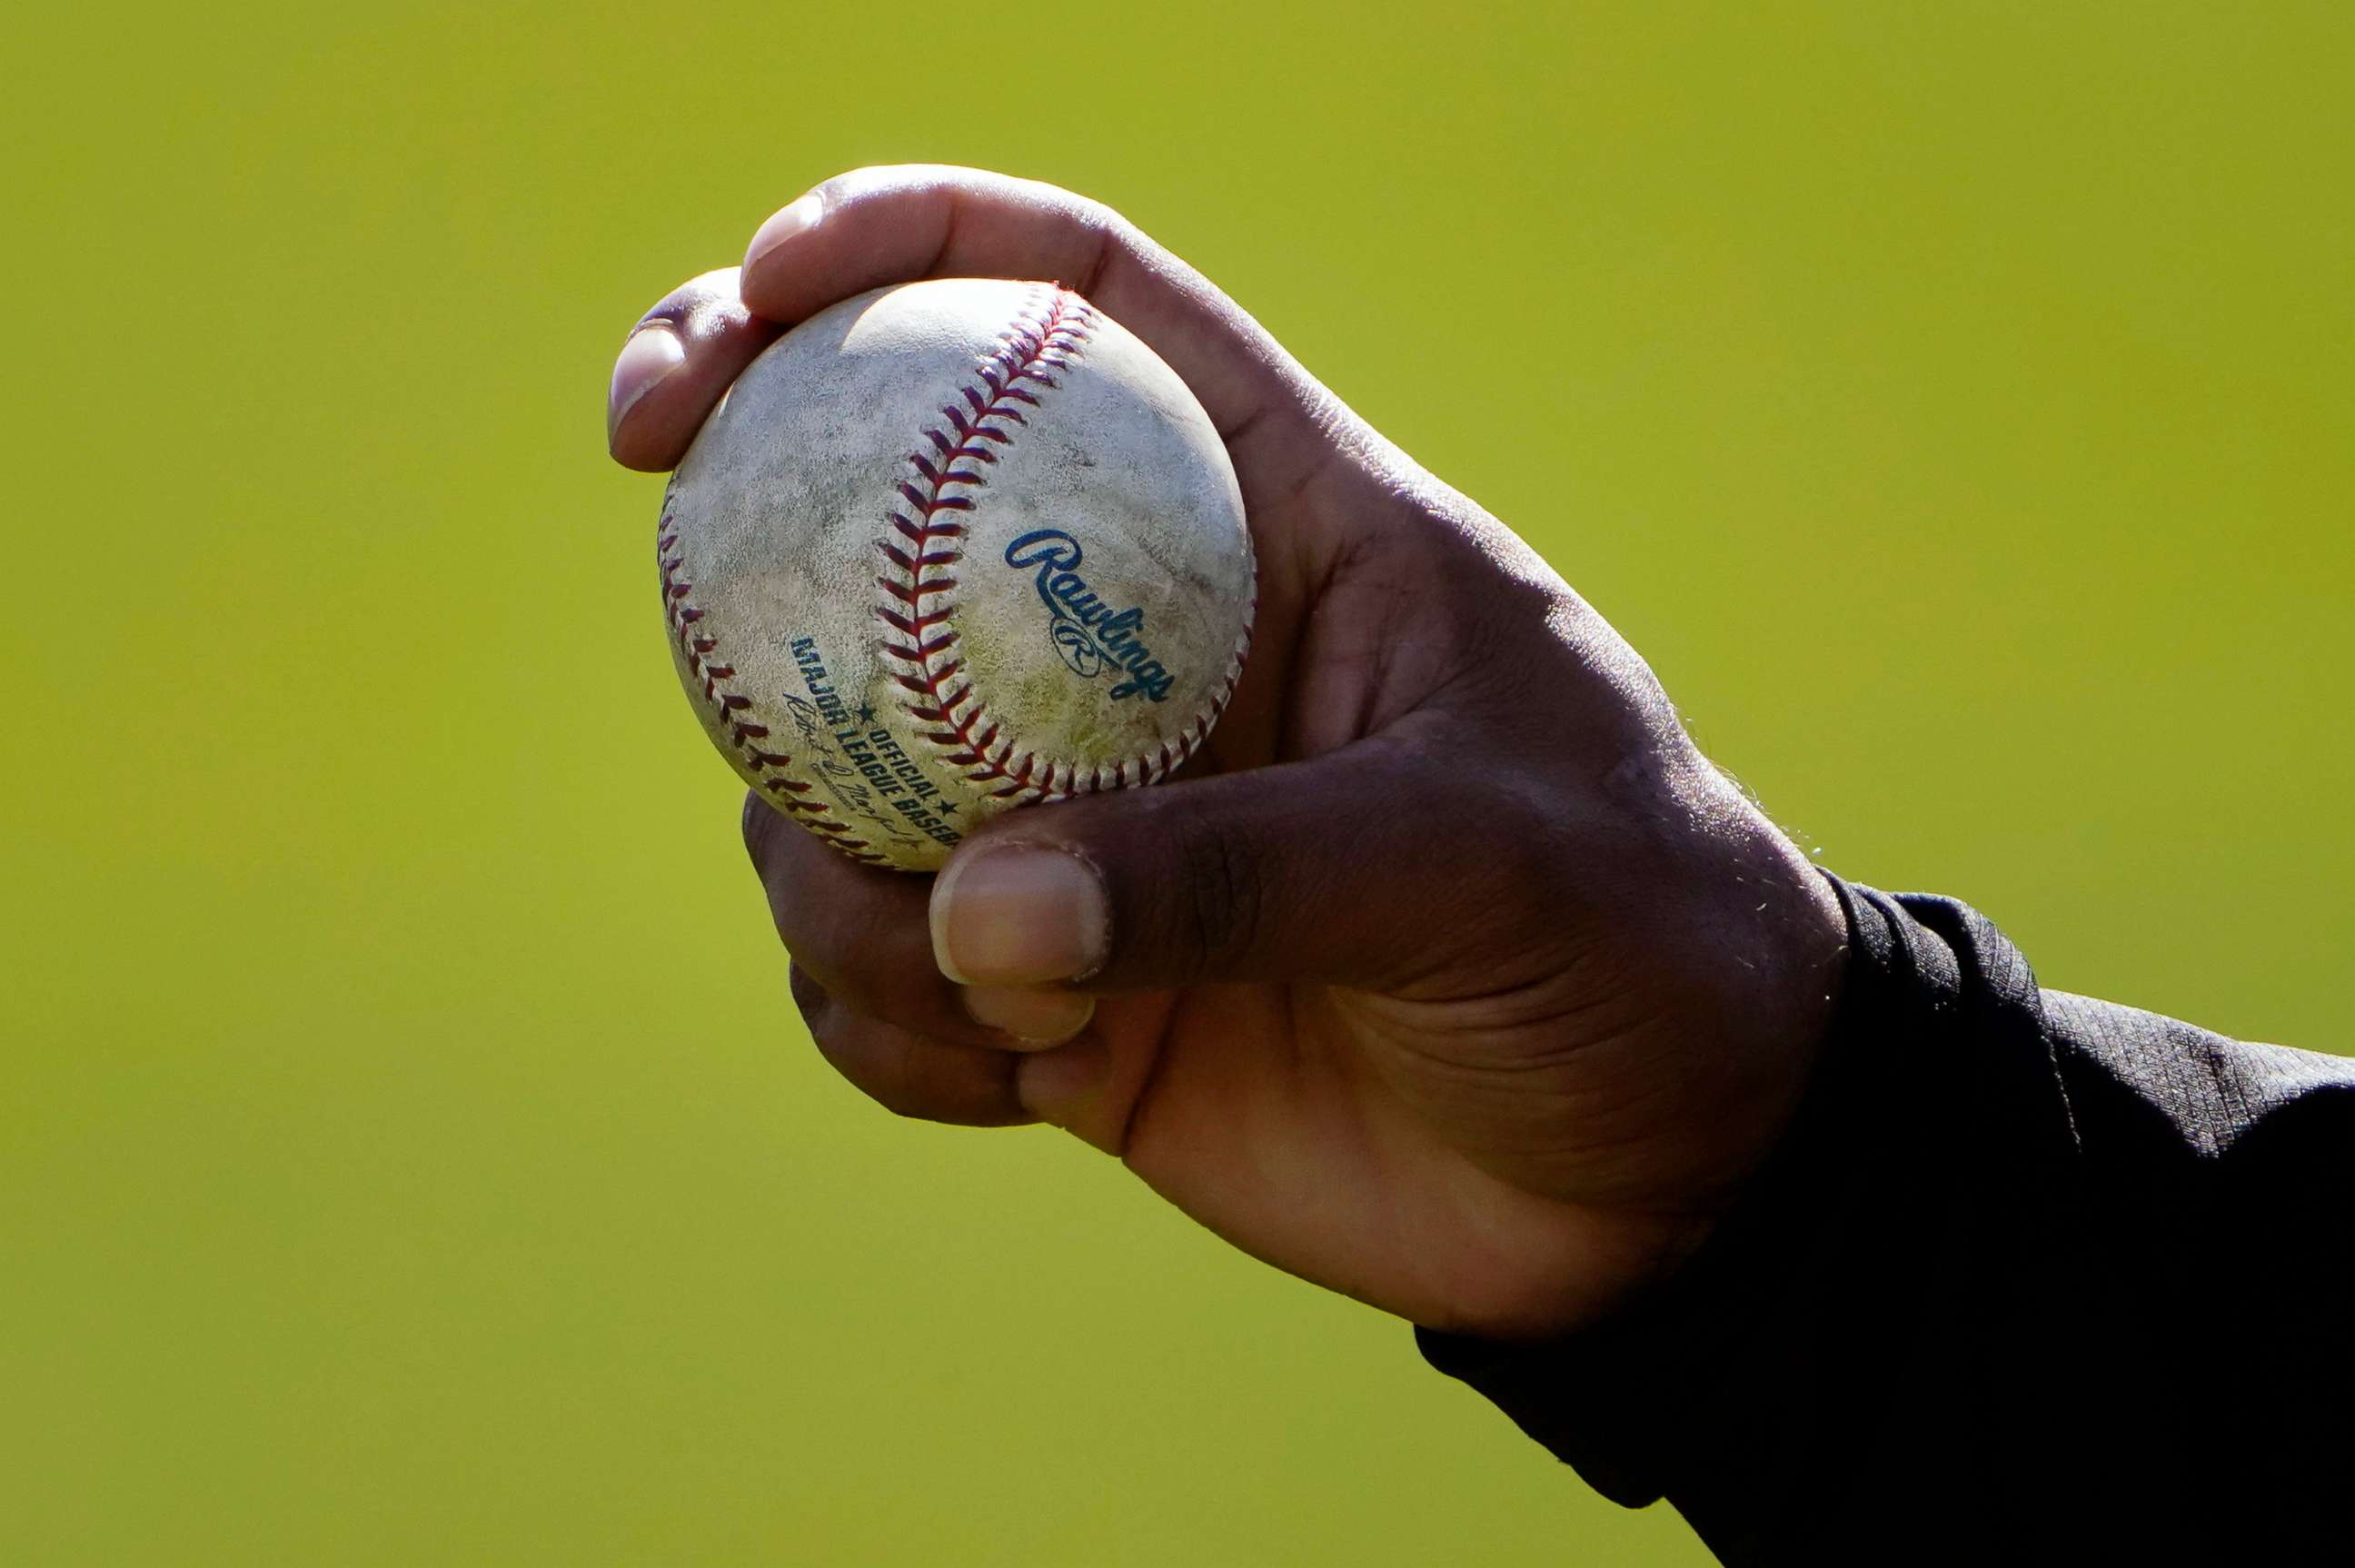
<point x="2030" y="1277"/>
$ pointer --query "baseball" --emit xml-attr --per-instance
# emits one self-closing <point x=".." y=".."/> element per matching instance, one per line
<point x="948" y="548"/>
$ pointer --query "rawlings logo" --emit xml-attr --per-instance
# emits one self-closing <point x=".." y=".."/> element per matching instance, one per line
<point x="1089" y="637"/>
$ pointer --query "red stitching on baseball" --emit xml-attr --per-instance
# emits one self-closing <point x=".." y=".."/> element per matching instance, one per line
<point x="698" y="646"/>
<point x="1043" y="338"/>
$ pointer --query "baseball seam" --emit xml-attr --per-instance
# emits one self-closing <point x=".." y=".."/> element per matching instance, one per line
<point x="698" y="646"/>
<point x="926" y="542"/>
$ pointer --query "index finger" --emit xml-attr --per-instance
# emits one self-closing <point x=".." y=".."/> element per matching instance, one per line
<point x="874" y="227"/>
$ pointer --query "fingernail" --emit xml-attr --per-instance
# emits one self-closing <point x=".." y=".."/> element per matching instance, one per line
<point x="653" y="352"/>
<point x="1054" y="1085"/>
<point x="782" y="225"/>
<point x="1033" y="1015"/>
<point x="1018" y="916"/>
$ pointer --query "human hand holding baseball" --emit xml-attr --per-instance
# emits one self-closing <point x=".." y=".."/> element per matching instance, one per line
<point x="1448" y="975"/>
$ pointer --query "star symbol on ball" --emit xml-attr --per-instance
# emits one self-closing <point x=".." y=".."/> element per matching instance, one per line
<point x="866" y="714"/>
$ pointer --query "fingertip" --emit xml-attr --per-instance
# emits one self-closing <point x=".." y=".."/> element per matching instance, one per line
<point x="652" y="354"/>
<point x="677" y="363"/>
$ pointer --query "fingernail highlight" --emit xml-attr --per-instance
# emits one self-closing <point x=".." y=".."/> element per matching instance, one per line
<point x="1033" y="1015"/>
<point x="1018" y="916"/>
<point x="784" y="224"/>
<point x="653" y="352"/>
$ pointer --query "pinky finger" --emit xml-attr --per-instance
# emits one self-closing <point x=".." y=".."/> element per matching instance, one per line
<point x="963" y="1086"/>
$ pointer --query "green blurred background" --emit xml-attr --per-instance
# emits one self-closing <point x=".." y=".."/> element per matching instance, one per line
<point x="407" y="1151"/>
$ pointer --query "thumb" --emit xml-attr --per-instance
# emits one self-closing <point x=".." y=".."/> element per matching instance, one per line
<point x="1366" y="866"/>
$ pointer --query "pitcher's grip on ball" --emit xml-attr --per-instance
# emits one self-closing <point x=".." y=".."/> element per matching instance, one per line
<point x="951" y="548"/>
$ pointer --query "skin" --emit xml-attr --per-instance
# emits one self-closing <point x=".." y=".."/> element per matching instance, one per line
<point x="1450" y="977"/>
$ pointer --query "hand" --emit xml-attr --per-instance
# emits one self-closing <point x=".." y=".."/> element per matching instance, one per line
<point x="1449" y="975"/>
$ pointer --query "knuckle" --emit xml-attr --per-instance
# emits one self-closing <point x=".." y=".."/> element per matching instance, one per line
<point x="1225" y="898"/>
<point x="1092" y="234"/>
<point x="1114" y="229"/>
<point x="1105" y="237"/>
<point x="1112" y="241"/>
<point x="1097" y="220"/>
<point x="696" y="304"/>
